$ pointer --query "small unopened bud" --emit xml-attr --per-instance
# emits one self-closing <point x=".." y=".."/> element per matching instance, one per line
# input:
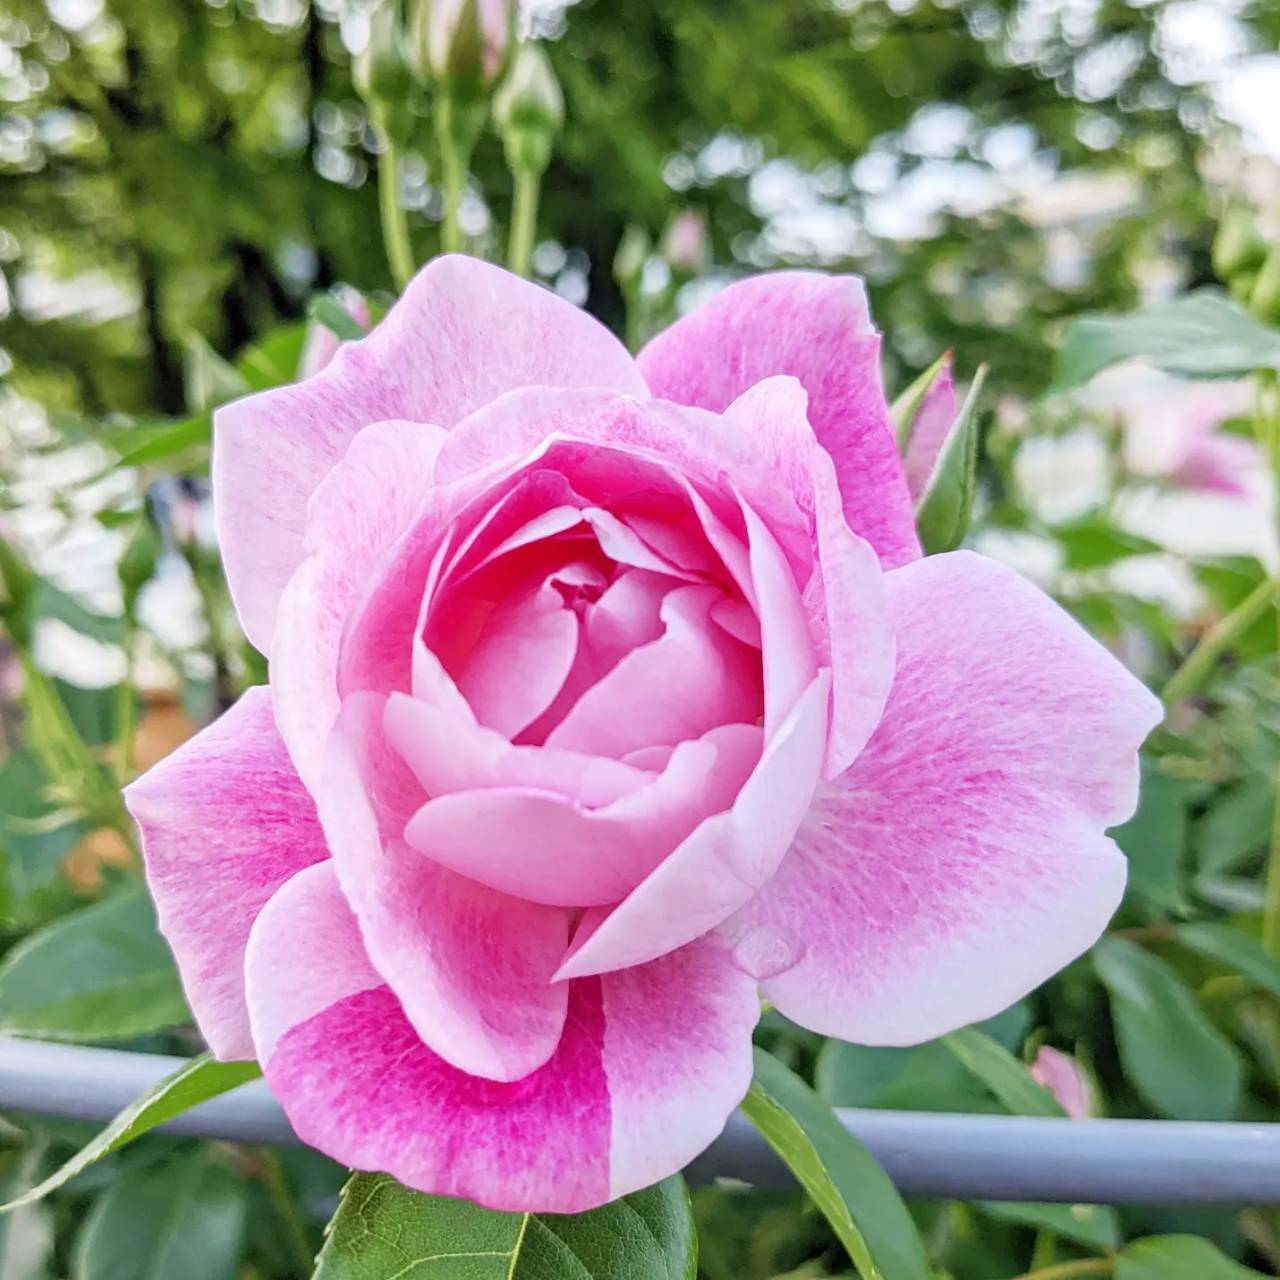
<point x="138" y="561"/>
<point x="380" y="71"/>
<point x="1237" y="246"/>
<point x="1264" y="299"/>
<point x="632" y="254"/>
<point x="1062" y="1076"/>
<point x="529" y="110"/>
<point x="684" y="246"/>
<point x="463" y="44"/>
<point x="323" y="340"/>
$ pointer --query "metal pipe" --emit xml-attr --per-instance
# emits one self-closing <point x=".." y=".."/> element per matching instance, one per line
<point x="960" y="1157"/>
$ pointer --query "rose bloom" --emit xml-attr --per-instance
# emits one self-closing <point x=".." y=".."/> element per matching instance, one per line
<point x="608" y="695"/>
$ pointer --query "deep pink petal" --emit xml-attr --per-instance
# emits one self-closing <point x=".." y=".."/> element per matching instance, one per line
<point x="961" y="860"/>
<point x="650" y="1066"/>
<point x="462" y="334"/>
<point x="932" y="425"/>
<point x="818" y="329"/>
<point x="369" y="499"/>
<point x="540" y="846"/>
<point x="725" y="861"/>
<point x="224" y="820"/>
<point x="470" y="967"/>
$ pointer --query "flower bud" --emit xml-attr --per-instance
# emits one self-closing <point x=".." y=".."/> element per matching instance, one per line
<point x="463" y="44"/>
<point x="380" y="72"/>
<point x="322" y="342"/>
<point x="1264" y="299"/>
<point x="1062" y="1076"/>
<point x="1237" y="247"/>
<point x="684" y="246"/>
<point x="631" y="256"/>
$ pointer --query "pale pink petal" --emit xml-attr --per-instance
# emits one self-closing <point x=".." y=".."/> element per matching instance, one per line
<point x="471" y="967"/>
<point x="694" y="677"/>
<point x="650" y="1066"/>
<point x="623" y="545"/>
<point x="369" y="499"/>
<point x="725" y="861"/>
<point x="844" y="597"/>
<point x="540" y="846"/>
<point x="1061" y="1075"/>
<point x="448" y="753"/>
<point x="1218" y="464"/>
<point x="816" y="328"/>
<point x="934" y="418"/>
<point x="462" y="334"/>
<point x="224" y="820"/>
<point x="961" y="860"/>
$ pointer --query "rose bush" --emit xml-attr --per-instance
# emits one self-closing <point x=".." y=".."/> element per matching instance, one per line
<point x="607" y="695"/>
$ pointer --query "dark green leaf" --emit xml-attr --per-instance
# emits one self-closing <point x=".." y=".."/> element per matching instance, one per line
<point x="1236" y="827"/>
<point x="1093" y="1225"/>
<point x="840" y="1175"/>
<point x="1237" y="951"/>
<point x="943" y="509"/>
<point x="194" y="1082"/>
<point x="383" y="1231"/>
<point x="1154" y="840"/>
<point x="1201" y="335"/>
<point x="103" y="973"/>
<point x="1002" y="1073"/>
<point x="1175" y="1057"/>
<point x="181" y="1219"/>
<point x="928" y="1077"/>
<point x="1178" y="1258"/>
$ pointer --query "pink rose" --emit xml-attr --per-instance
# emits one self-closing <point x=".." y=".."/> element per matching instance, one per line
<point x="606" y="695"/>
<point x="1061" y="1075"/>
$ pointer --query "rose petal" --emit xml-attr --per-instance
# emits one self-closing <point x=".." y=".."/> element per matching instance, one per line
<point x="224" y="820"/>
<point x="470" y="967"/>
<point x="961" y="860"/>
<point x="818" y="329"/>
<point x="462" y="333"/>
<point x="631" y="1095"/>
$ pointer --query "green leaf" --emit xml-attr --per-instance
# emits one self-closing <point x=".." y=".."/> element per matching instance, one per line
<point x="1236" y="827"/>
<point x="1154" y="840"/>
<point x="383" y="1231"/>
<point x="1178" y="1258"/>
<point x="159" y="444"/>
<point x="1094" y="544"/>
<point x="194" y="1082"/>
<point x="181" y="1219"/>
<point x="325" y="309"/>
<point x="1002" y="1073"/>
<point x="103" y="973"/>
<point x="1238" y="951"/>
<point x="943" y="509"/>
<point x="274" y="360"/>
<point x="1095" y="1226"/>
<point x="1174" y="1056"/>
<point x="839" y="1173"/>
<point x="907" y="405"/>
<point x="207" y="379"/>
<point x="1200" y="335"/>
<point x="26" y="1237"/>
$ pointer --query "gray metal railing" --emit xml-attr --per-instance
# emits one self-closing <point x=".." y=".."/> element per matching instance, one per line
<point x="962" y="1157"/>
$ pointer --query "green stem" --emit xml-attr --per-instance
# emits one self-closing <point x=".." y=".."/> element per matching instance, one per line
<point x="524" y="219"/>
<point x="286" y="1210"/>
<point x="1068" y="1270"/>
<point x="395" y="226"/>
<point x="1202" y="659"/>
<point x="456" y="139"/>
<point x="126" y="710"/>
<point x="1044" y="1250"/>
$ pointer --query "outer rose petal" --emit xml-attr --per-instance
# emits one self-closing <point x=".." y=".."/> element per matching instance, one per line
<point x="471" y="967"/>
<point x="462" y="333"/>
<point x="818" y="329"/>
<point x="651" y="1064"/>
<point x="961" y="860"/>
<point x="225" y="821"/>
<point x="357" y="512"/>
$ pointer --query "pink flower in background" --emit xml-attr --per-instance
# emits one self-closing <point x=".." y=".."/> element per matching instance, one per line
<point x="448" y="48"/>
<point x="1172" y="427"/>
<point x="605" y="696"/>
<point x="1061" y="1075"/>
<point x="322" y="343"/>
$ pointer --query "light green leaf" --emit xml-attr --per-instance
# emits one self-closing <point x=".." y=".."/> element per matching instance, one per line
<point x="325" y="309"/>
<point x="273" y="361"/>
<point x="383" y="1231"/>
<point x="839" y="1173"/>
<point x="181" y="1219"/>
<point x="907" y="405"/>
<point x="26" y="1237"/>
<point x="103" y="973"/>
<point x="1237" y="827"/>
<point x="207" y="379"/>
<point x="1178" y="1258"/>
<point x="943" y="509"/>
<point x="1174" y="1056"/>
<point x="1154" y="840"/>
<point x="1238" y="951"/>
<point x="159" y="444"/>
<point x="194" y="1082"/>
<point x="1002" y="1073"/>
<point x="1200" y="335"/>
<point x="1095" y="1226"/>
